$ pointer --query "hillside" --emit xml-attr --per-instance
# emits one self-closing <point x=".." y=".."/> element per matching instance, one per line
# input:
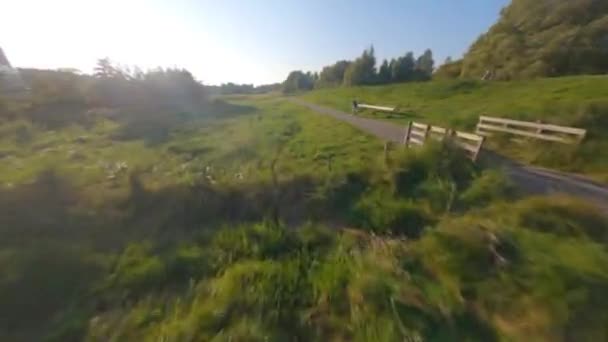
<point x="573" y="101"/>
<point x="256" y="220"/>
<point x="536" y="38"/>
<point x="147" y="206"/>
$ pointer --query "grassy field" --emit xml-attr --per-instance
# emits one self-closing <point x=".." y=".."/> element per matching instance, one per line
<point x="234" y="148"/>
<point x="573" y="101"/>
<point x="258" y="220"/>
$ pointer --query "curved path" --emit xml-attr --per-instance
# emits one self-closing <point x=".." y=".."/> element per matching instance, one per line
<point x="531" y="179"/>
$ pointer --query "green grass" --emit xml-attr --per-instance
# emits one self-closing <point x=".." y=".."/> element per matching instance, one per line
<point x="573" y="101"/>
<point x="202" y="238"/>
<point x="230" y="150"/>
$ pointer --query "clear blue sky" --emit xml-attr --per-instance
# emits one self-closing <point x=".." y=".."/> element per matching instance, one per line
<point x="244" y="41"/>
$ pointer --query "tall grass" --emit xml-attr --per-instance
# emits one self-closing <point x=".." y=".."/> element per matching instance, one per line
<point x="572" y="101"/>
<point x="278" y="224"/>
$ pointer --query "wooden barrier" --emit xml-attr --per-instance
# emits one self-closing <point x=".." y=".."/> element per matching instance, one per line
<point x="536" y="130"/>
<point x="380" y="108"/>
<point x="418" y="133"/>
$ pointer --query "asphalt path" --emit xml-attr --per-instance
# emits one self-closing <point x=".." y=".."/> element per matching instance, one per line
<point x="533" y="180"/>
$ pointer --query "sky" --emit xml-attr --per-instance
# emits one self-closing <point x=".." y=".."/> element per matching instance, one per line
<point x="241" y="41"/>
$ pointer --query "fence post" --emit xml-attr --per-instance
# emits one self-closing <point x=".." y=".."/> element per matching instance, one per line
<point x="539" y="130"/>
<point x="476" y="154"/>
<point x="477" y="130"/>
<point x="406" y="137"/>
<point x="581" y="137"/>
<point x="387" y="148"/>
<point x="450" y="136"/>
<point x="426" y="133"/>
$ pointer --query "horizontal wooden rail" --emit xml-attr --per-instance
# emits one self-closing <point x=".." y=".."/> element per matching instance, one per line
<point x="419" y="125"/>
<point x="468" y="136"/>
<point x="440" y="130"/>
<point x="380" y="108"/>
<point x="417" y="134"/>
<point x="536" y="130"/>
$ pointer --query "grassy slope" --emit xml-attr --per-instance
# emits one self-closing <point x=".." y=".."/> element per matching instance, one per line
<point x="84" y="209"/>
<point x="230" y="145"/>
<point x="576" y="101"/>
<point x="262" y="282"/>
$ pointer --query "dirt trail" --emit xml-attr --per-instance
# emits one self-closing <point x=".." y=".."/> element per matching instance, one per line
<point x="531" y="179"/>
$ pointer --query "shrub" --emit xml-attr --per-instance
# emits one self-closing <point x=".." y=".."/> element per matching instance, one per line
<point x="439" y="194"/>
<point x="137" y="270"/>
<point x="259" y="241"/>
<point x="491" y="186"/>
<point x="187" y="262"/>
<point x="382" y="213"/>
<point x="562" y="216"/>
<point x="434" y="161"/>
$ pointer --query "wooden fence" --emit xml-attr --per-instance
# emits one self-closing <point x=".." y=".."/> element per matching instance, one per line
<point x="379" y="108"/>
<point x="537" y="130"/>
<point x="416" y="134"/>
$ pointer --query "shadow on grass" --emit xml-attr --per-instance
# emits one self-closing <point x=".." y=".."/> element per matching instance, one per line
<point x="405" y="114"/>
<point x="155" y="127"/>
<point x="54" y="244"/>
<point x="221" y="108"/>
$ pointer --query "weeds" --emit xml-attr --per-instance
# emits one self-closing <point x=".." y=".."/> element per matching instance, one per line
<point x="178" y="247"/>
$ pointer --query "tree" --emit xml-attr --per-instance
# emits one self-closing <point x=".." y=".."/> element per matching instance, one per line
<point x="298" y="81"/>
<point x="392" y="66"/>
<point x="333" y="75"/>
<point x="106" y="69"/>
<point x="425" y="65"/>
<point x="384" y="73"/>
<point x="535" y="38"/>
<point x="449" y="70"/>
<point x="363" y="70"/>
<point x="402" y="69"/>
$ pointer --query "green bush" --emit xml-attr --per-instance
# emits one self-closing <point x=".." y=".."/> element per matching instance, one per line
<point x="188" y="262"/>
<point x="260" y="241"/>
<point x="380" y="212"/>
<point x="138" y="271"/>
<point x="562" y="216"/>
<point x="442" y="161"/>
<point x="531" y="281"/>
<point x="439" y="194"/>
<point x="490" y="187"/>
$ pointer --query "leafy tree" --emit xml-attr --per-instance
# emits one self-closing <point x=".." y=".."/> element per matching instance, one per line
<point x="392" y="66"/>
<point x="425" y="65"/>
<point x="449" y="70"/>
<point x="384" y="73"/>
<point x="332" y="75"/>
<point x="536" y="38"/>
<point x="106" y="69"/>
<point x="363" y="70"/>
<point x="298" y="81"/>
<point x="231" y="88"/>
<point x="402" y="69"/>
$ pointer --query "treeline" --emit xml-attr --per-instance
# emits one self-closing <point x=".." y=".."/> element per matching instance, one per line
<point x="233" y="88"/>
<point x="146" y="104"/>
<point x="170" y="89"/>
<point x="363" y="71"/>
<point x="54" y="97"/>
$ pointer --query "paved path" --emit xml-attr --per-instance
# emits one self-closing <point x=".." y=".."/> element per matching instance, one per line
<point x="531" y="179"/>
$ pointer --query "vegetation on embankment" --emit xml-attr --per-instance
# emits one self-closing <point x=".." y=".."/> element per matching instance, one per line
<point x="539" y="38"/>
<point x="572" y="101"/>
<point x="232" y="228"/>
